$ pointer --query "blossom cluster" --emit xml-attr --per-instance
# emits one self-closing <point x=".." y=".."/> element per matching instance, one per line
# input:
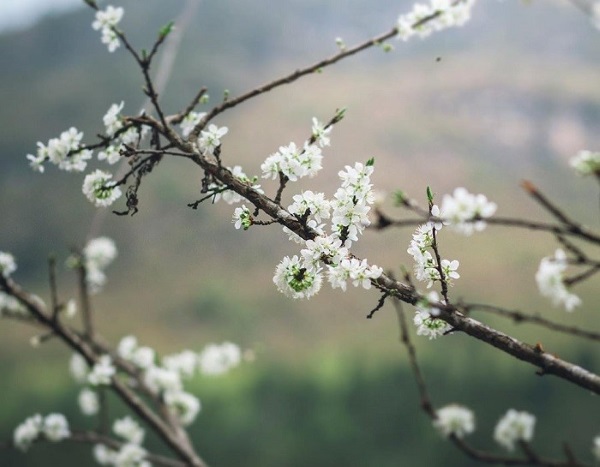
<point x="454" y="420"/>
<point x="513" y="427"/>
<point x="98" y="253"/>
<point x="8" y="264"/>
<point x="301" y="276"/>
<point x="465" y="212"/>
<point x="423" y="20"/>
<point x="293" y="162"/>
<point x="426" y="320"/>
<point x="164" y="379"/>
<point x="420" y="248"/>
<point x="131" y="453"/>
<point x="66" y="152"/>
<point x="586" y="162"/>
<point x="550" y="281"/>
<point x="53" y="427"/>
<point x="106" y="21"/>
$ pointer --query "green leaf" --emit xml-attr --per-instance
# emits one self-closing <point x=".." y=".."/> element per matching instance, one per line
<point x="429" y="195"/>
<point x="166" y="30"/>
<point x="371" y="162"/>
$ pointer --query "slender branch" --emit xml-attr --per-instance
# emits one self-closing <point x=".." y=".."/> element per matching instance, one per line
<point x="520" y="317"/>
<point x="53" y="287"/>
<point x="84" y="299"/>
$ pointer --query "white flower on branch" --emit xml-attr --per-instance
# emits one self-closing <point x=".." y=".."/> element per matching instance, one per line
<point x="294" y="279"/>
<point x="111" y="155"/>
<point x="323" y="247"/>
<point x="586" y="162"/>
<point x="27" y="432"/>
<point x="319" y="208"/>
<point x="102" y="372"/>
<point x="8" y="264"/>
<point x="10" y="305"/>
<point x="104" y="455"/>
<point x="242" y="218"/>
<point x="218" y="359"/>
<point x="183" y="405"/>
<point x="512" y="427"/>
<point x="190" y="121"/>
<point x="425" y="318"/>
<point x="320" y="133"/>
<point x="465" y="211"/>
<point x="210" y="139"/>
<point x="183" y="363"/>
<point x="128" y="429"/>
<point x="106" y="21"/>
<point x="550" y="281"/>
<point x="99" y="190"/>
<point x="131" y="455"/>
<point x="352" y="269"/>
<point x="112" y="120"/>
<point x="160" y="379"/>
<point x="65" y="152"/>
<point x="454" y="420"/>
<point x="293" y="162"/>
<point x="88" y="402"/>
<point x="98" y="254"/>
<point x="56" y="427"/>
<point x="442" y="13"/>
<point x="78" y="368"/>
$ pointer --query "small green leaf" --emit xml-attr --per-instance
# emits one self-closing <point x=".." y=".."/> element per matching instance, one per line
<point x="371" y="162"/>
<point x="429" y="195"/>
<point x="166" y="30"/>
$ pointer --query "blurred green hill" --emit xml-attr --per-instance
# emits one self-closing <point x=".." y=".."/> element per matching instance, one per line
<point x="514" y="95"/>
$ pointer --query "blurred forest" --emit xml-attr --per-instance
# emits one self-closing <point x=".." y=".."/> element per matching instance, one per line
<point x="510" y="96"/>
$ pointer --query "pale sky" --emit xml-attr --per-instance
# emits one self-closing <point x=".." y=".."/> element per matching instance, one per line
<point x="15" y="14"/>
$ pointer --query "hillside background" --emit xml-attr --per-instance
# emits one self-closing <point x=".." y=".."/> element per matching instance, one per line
<point x="514" y="95"/>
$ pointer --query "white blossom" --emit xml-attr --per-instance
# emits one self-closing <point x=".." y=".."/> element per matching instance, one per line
<point x="183" y="363"/>
<point x="318" y="207"/>
<point x="160" y="379"/>
<point x="106" y="21"/>
<point x="70" y="309"/>
<point x="98" y="254"/>
<point x="512" y="427"/>
<point x="217" y="359"/>
<point x="56" y="427"/>
<point x="354" y="270"/>
<point x="210" y="139"/>
<point x="78" y="368"/>
<point x="464" y="211"/>
<point x="587" y="162"/>
<point x="8" y="264"/>
<point x="88" y="402"/>
<point x="111" y="155"/>
<point x="11" y="305"/>
<point x="183" y="405"/>
<point x="102" y="372"/>
<point x="454" y="420"/>
<point x="242" y="218"/>
<point x="550" y="281"/>
<point x="131" y="455"/>
<point x="190" y="121"/>
<point x="128" y="429"/>
<point x="320" y="133"/>
<point x="27" y="432"/>
<point x="66" y="152"/>
<point x="112" y="120"/>
<point x="98" y="188"/>
<point x="294" y="279"/>
<point x="440" y="14"/>
<point x="104" y="455"/>
<point x="293" y="162"/>
<point x="426" y="320"/>
<point x="126" y="347"/>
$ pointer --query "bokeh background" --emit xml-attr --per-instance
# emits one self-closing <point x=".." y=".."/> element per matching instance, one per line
<point x="511" y="96"/>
